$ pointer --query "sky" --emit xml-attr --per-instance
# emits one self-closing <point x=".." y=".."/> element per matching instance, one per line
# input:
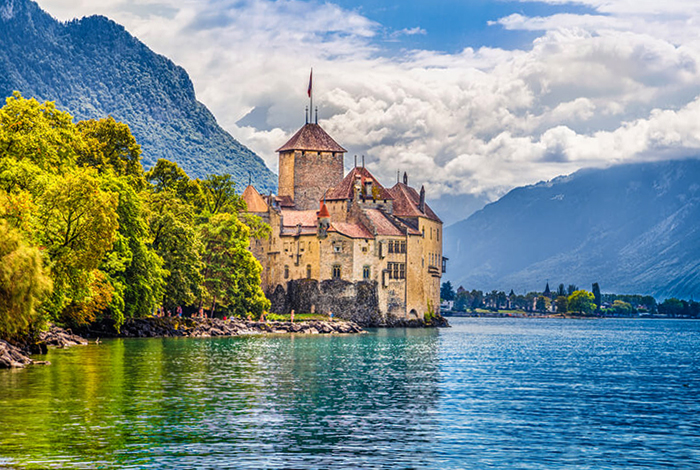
<point x="470" y="97"/>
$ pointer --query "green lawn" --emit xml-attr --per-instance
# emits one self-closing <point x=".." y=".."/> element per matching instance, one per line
<point x="298" y="317"/>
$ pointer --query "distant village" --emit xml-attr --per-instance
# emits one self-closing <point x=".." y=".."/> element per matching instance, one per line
<point x="563" y="301"/>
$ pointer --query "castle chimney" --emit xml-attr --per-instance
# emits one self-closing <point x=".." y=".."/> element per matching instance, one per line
<point x="405" y="178"/>
<point x="421" y="204"/>
<point x="363" y="161"/>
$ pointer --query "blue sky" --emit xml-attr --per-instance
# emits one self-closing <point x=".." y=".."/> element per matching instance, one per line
<point x="452" y="25"/>
<point x="473" y="98"/>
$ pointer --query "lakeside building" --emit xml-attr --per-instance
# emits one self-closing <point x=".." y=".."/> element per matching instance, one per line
<point x="345" y="243"/>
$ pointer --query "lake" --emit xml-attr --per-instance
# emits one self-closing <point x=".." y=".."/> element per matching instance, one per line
<point x="486" y="393"/>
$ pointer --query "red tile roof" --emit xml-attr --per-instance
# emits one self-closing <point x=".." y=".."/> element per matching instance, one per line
<point x="351" y="230"/>
<point x="292" y="218"/>
<point x="298" y="222"/>
<point x="382" y="224"/>
<point x="284" y="201"/>
<point x="312" y="137"/>
<point x="345" y="189"/>
<point x="254" y="201"/>
<point x="407" y="201"/>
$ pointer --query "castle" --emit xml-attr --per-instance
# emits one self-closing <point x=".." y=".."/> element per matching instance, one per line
<point x="345" y="244"/>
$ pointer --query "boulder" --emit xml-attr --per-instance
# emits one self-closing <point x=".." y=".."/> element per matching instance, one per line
<point x="11" y="356"/>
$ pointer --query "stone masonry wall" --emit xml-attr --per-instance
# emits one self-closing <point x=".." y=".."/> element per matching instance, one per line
<point x="354" y="301"/>
<point x="313" y="175"/>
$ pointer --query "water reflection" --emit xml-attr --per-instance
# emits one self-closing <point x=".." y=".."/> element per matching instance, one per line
<point x="252" y="402"/>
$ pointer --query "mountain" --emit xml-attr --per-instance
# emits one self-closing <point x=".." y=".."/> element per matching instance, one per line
<point x="631" y="228"/>
<point x="93" y="68"/>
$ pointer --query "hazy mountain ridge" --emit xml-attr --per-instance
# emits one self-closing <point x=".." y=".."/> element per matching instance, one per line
<point x="93" y="67"/>
<point x="632" y="228"/>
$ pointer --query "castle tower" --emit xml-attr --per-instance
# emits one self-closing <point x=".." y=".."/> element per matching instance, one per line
<point x="309" y="164"/>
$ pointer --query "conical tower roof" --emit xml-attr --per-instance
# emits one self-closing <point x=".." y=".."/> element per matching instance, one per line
<point x="313" y="138"/>
<point x="254" y="201"/>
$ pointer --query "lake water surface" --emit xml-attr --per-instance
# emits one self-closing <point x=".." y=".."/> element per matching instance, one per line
<point x="487" y="393"/>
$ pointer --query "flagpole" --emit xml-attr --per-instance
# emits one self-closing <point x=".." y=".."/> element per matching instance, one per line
<point x="311" y="95"/>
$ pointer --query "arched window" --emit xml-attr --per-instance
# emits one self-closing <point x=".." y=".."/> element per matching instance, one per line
<point x="308" y="271"/>
<point x="366" y="272"/>
<point x="336" y="271"/>
<point x="286" y="271"/>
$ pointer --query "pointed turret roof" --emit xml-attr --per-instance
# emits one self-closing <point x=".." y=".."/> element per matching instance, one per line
<point x="253" y="200"/>
<point x="313" y="138"/>
<point x="323" y="213"/>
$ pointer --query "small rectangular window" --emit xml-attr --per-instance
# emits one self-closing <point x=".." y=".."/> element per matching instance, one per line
<point x="402" y="271"/>
<point x="403" y="247"/>
<point x="366" y="272"/>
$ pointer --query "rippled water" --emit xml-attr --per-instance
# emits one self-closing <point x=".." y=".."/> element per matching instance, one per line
<point x="487" y="393"/>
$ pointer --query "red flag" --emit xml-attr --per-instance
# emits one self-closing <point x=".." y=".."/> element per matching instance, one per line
<point x="311" y="75"/>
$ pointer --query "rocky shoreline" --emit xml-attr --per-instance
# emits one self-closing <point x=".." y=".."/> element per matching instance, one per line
<point x="12" y="356"/>
<point x="207" y="327"/>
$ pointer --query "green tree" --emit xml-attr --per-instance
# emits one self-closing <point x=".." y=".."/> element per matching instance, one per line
<point x="38" y="133"/>
<point x="220" y="195"/>
<point x="562" y="303"/>
<point x="447" y="292"/>
<point x="111" y="146"/>
<point x="231" y="272"/>
<point x="79" y="224"/>
<point x="596" y="296"/>
<point x="571" y="289"/>
<point x="672" y="307"/>
<point x="620" y="307"/>
<point x="177" y="242"/>
<point x="561" y="290"/>
<point x="581" y="301"/>
<point x="23" y="283"/>
<point x="133" y="267"/>
<point x="542" y="303"/>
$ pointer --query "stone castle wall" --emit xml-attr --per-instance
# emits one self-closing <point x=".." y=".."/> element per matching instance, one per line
<point x="354" y="301"/>
<point x="315" y="173"/>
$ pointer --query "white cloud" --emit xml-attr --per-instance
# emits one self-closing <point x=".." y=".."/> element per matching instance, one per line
<point x="619" y="84"/>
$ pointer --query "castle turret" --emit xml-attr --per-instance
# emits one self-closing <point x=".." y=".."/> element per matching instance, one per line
<point x="309" y="163"/>
<point x="324" y="221"/>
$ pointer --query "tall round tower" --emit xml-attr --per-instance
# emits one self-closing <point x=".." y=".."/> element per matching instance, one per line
<point x="309" y="164"/>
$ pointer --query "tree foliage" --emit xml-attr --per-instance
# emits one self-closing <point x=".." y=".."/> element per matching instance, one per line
<point x="84" y="236"/>
<point x="23" y="282"/>
<point x="581" y="301"/>
<point x="447" y="292"/>
<point x="231" y="273"/>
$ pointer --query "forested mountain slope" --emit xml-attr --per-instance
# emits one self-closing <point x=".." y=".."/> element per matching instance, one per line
<point x="631" y="228"/>
<point x="93" y="67"/>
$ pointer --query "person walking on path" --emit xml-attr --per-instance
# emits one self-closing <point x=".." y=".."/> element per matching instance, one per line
<point x="330" y="315"/>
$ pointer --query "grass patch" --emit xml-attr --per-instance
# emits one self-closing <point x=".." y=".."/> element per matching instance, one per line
<point x="298" y="317"/>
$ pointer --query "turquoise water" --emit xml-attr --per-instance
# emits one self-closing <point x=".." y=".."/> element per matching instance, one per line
<point x="487" y="393"/>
